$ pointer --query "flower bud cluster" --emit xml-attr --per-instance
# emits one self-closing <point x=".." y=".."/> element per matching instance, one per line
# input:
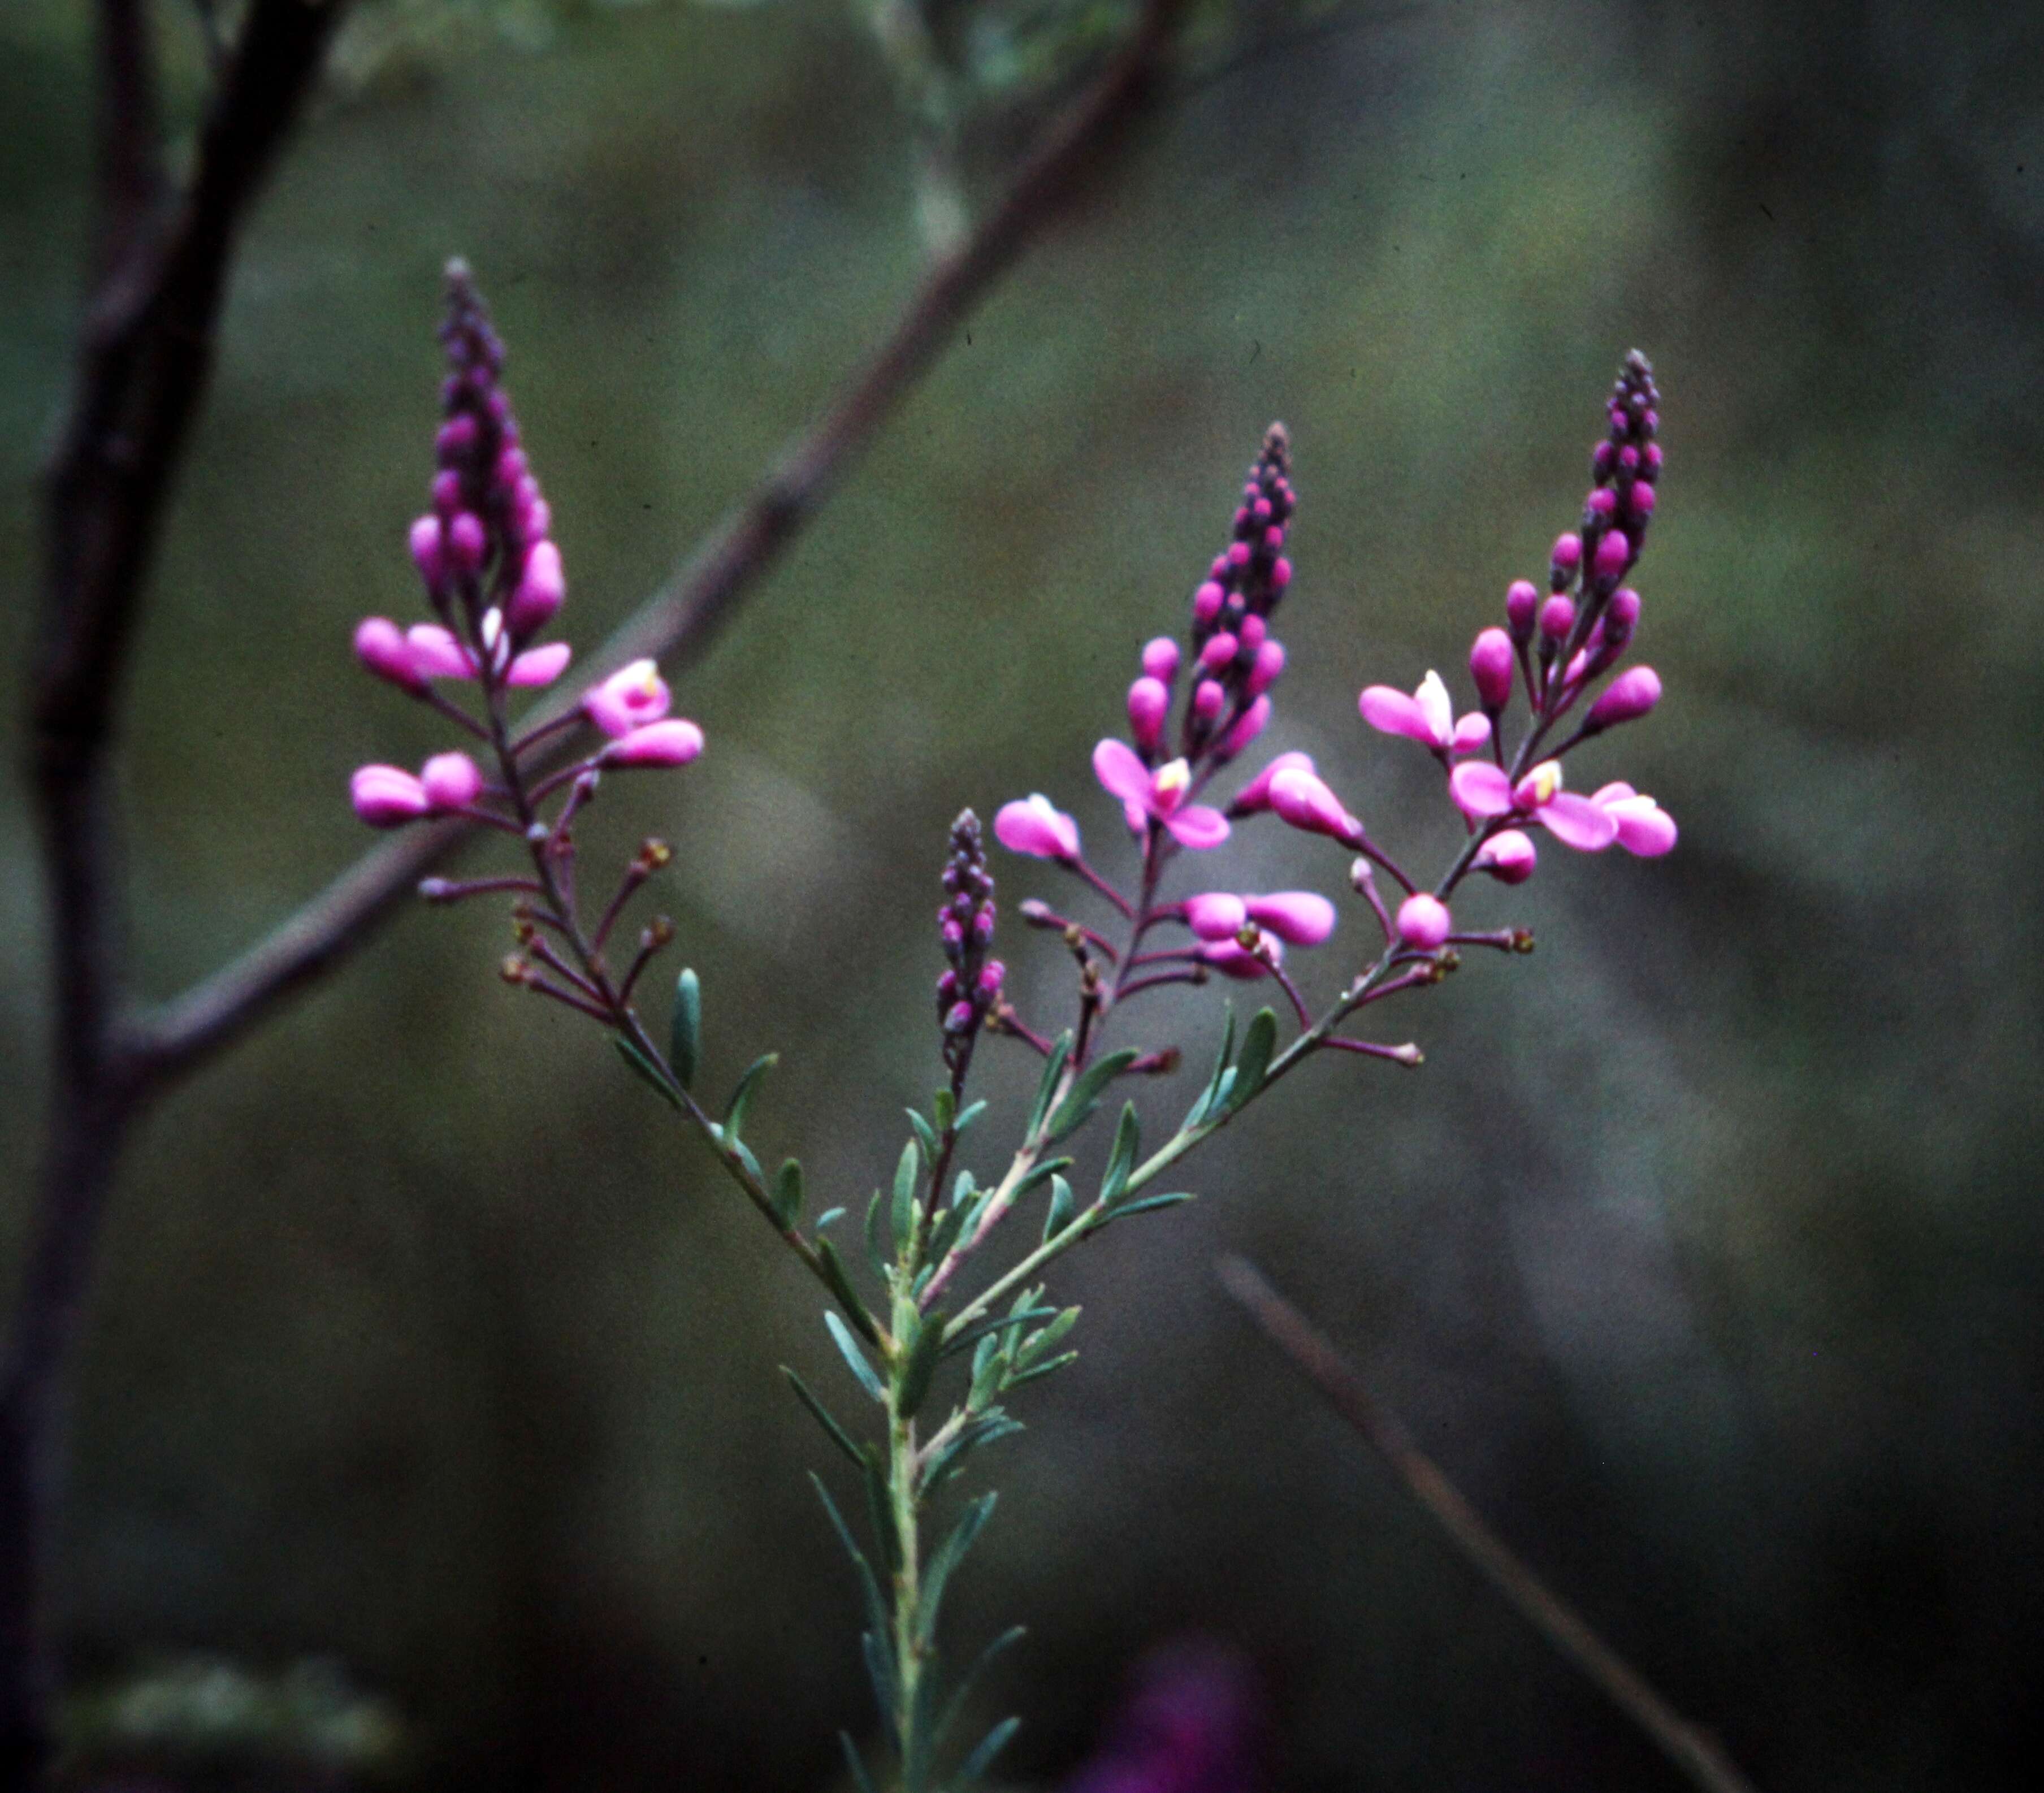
<point x="969" y="989"/>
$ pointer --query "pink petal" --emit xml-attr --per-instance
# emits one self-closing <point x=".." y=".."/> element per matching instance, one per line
<point x="1480" y="790"/>
<point x="1613" y="792"/>
<point x="1135" y="815"/>
<point x="1472" y="733"/>
<point x="1424" y="922"/>
<point x="1508" y="857"/>
<point x="1116" y="764"/>
<point x="437" y="654"/>
<point x="1305" y="802"/>
<point x="1232" y="959"/>
<point x="1432" y="698"/>
<point x="541" y="588"/>
<point x="1256" y="794"/>
<point x="1397" y="713"/>
<point x="1303" y="917"/>
<point x="451" y="781"/>
<point x="1644" y="827"/>
<point x="672" y="743"/>
<point x="539" y="666"/>
<point x="380" y="645"/>
<point x="1196" y="825"/>
<point x="1215" y="916"/>
<point x="386" y="797"/>
<point x="1249" y="725"/>
<point x="1149" y="699"/>
<point x="1575" y="821"/>
<point x="1035" y="827"/>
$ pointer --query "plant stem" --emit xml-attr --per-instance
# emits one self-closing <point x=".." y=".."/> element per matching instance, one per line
<point x="902" y="1467"/>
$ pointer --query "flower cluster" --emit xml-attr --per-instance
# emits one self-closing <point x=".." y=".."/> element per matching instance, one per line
<point x="493" y="576"/>
<point x="968" y="991"/>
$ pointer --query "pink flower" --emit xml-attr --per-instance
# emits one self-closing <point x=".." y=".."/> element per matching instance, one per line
<point x="1482" y="792"/>
<point x="1303" y="917"/>
<point x="1231" y="959"/>
<point x="380" y="645"/>
<point x="1302" y="800"/>
<point x="1424" y="922"/>
<point x="1160" y="658"/>
<point x="541" y="588"/>
<point x="672" y="743"/>
<point x="1628" y="697"/>
<point x="451" y="781"/>
<point x="1255" y="795"/>
<point x="435" y="654"/>
<point x="387" y="797"/>
<point x="1644" y="827"/>
<point x="1427" y="716"/>
<point x="1491" y="666"/>
<point x="1149" y="701"/>
<point x="1215" y="915"/>
<point x="630" y="698"/>
<point x="1508" y="857"/>
<point x="1157" y="797"/>
<point x="1036" y="826"/>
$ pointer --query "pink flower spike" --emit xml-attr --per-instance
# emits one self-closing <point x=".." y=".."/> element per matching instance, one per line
<point x="386" y="797"/>
<point x="1424" y="923"/>
<point x="539" y="666"/>
<point x="1480" y="790"/>
<point x="1215" y="915"/>
<point x="1302" y="917"/>
<point x="630" y="698"/>
<point x="1490" y="666"/>
<point x="1149" y="700"/>
<point x="1472" y="733"/>
<point x="451" y="781"/>
<point x="380" y="645"/>
<point x="435" y="654"/>
<point x="1508" y="857"/>
<point x="541" y="588"/>
<point x="672" y="743"/>
<point x="1270" y="662"/>
<point x="1231" y="959"/>
<point x="1644" y="827"/>
<point x="1160" y="659"/>
<point x="1303" y="800"/>
<point x="1255" y="796"/>
<point x="1036" y="826"/>
<point x="1629" y="695"/>
<point x="1249" y="725"/>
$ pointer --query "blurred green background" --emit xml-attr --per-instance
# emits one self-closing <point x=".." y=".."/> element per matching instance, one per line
<point x="1704" y="1252"/>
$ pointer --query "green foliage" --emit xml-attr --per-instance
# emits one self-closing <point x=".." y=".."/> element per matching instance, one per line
<point x="855" y="1358"/>
<point x="644" y="1070"/>
<point x="684" y="1028"/>
<point x="741" y="1098"/>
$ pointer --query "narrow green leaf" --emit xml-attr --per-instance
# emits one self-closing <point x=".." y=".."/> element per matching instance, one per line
<point x="741" y="1098"/>
<point x="1032" y="1348"/>
<point x="989" y="1364"/>
<point x="906" y="1175"/>
<point x="947" y="1556"/>
<point x="847" y="1296"/>
<point x="642" y="1067"/>
<point x="828" y="1217"/>
<point x="788" y="1192"/>
<point x="1058" y="1215"/>
<point x="1143" y="1205"/>
<point x="684" y="1028"/>
<point x="926" y="1135"/>
<point x="1054" y="1068"/>
<point x="1121" y="1159"/>
<point x="821" y="1415"/>
<point x="1259" y="1042"/>
<point x="990" y="1746"/>
<point x="972" y="1112"/>
<point x="876" y="1608"/>
<point x="881" y="1514"/>
<point x="849" y="1347"/>
<point x="979" y="1329"/>
<point x="880" y="1671"/>
<point x="944" y="1105"/>
<point x="1018" y="1377"/>
<point x="991" y="1425"/>
<point x="922" y="1364"/>
<point x="874" y="1255"/>
<point x="1084" y="1096"/>
<point x="861" y="1782"/>
<point x="745" y="1158"/>
<point x="1008" y="1639"/>
<point x="1039" y="1175"/>
<point x="1212" y="1094"/>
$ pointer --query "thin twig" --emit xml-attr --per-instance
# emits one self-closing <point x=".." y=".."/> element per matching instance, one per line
<point x="676" y="625"/>
<point x="1692" y="1750"/>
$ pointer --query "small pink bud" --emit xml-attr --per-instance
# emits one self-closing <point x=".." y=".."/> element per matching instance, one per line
<point x="1252" y="633"/>
<point x="1035" y="826"/>
<point x="1600" y="460"/>
<point x="1629" y="697"/>
<point x="1256" y="794"/>
<point x="1508" y="857"/>
<point x="1423" y="923"/>
<point x="511" y="468"/>
<point x="1302" y="917"/>
<point x="1270" y="662"/>
<point x="451" y="781"/>
<point x="992" y="975"/>
<point x="445" y="490"/>
<point x="1160" y="659"/>
<point x="1303" y="800"/>
<point x="1231" y="959"/>
<point x="1621" y="615"/>
<point x="959" y="1018"/>
<point x="426" y="551"/>
<point x="1207" y="602"/>
<point x="1218" y="651"/>
<point x="1557" y="616"/>
<point x="465" y="542"/>
<point x="1280" y="573"/>
<point x="456" y="435"/>
<point x="1490" y="667"/>
<point x="1614" y="555"/>
<point x="1208" y="698"/>
<point x="1249" y="725"/>
<point x="1602" y="504"/>
<point x="541" y="588"/>
<point x="1149" y="702"/>
<point x="982" y="926"/>
<point x="1215" y="916"/>
<point x="1522" y="598"/>
<point x="630" y="698"/>
<point x="380" y="645"/>
<point x="435" y="654"/>
<point x="1567" y="555"/>
<point x="538" y="666"/>
<point x="1238" y="555"/>
<point x="1652" y="459"/>
<point x="672" y="742"/>
<point x="952" y="932"/>
<point x="386" y="797"/>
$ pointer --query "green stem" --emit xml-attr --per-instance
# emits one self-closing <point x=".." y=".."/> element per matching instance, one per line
<point x="903" y="1467"/>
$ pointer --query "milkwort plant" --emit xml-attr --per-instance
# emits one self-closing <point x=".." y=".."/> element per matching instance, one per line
<point x="951" y="1326"/>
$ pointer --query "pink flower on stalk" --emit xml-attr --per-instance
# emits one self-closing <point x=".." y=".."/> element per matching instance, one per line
<point x="380" y="645"/>
<point x="1483" y="792"/>
<point x="1303" y="800"/>
<point x="1231" y="959"/>
<point x="630" y="698"/>
<point x="388" y="796"/>
<point x="1424" y="923"/>
<point x="1644" y="827"/>
<point x="1427" y="716"/>
<point x="1037" y="827"/>
<point x="1159" y="796"/>
<point x="435" y="654"/>
<point x="672" y="743"/>
<point x="1254" y="796"/>
<point x="1302" y="917"/>
<point x="1630" y="696"/>
<point x="1508" y="857"/>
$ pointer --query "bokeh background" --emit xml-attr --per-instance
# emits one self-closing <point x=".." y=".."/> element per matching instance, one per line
<point x="1704" y="1252"/>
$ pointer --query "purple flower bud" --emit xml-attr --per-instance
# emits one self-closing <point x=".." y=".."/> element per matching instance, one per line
<point x="1490" y="666"/>
<point x="982" y="925"/>
<point x="1206" y="602"/>
<point x="1274" y="537"/>
<point x="455" y="438"/>
<point x="1149" y="702"/>
<point x="1600" y="461"/>
<point x="1614" y="555"/>
<point x="947" y="987"/>
<point x="451" y="781"/>
<point x="1522" y="598"/>
<point x="1640" y="499"/>
<point x="1627" y="697"/>
<point x="1557" y="616"/>
<point x="1160" y="659"/>
<point x="1508" y="857"/>
<point x="465" y="542"/>
<point x="672" y="743"/>
<point x="1238" y="555"/>
<point x="1270" y="662"/>
<point x="991" y="975"/>
<point x="1424" y="922"/>
<point x="1621" y="617"/>
<point x="1208" y="698"/>
<point x="959" y="1018"/>
<point x="1248" y="725"/>
<point x="1252" y="633"/>
<point x="445" y="490"/>
<point x="1566" y="556"/>
<point x="1652" y="459"/>
<point x="1602" y="504"/>
<point x="1218" y="651"/>
<point x="541" y="588"/>
<point x="380" y="645"/>
<point x="426" y="552"/>
<point x="1280" y="574"/>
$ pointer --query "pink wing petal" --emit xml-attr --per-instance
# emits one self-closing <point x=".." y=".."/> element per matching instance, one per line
<point x="1215" y="916"/>
<point x="1472" y="733"/>
<point x="1480" y="790"/>
<point x="437" y="654"/>
<point x="539" y="666"/>
<point x="1198" y="827"/>
<point x="1233" y="961"/>
<point x="1395" y="713"/>
<point x="1032" y="825"/>
<point x="1116" y="764"/>
<point x="1255" y="795"/>
<point x="1613" y="792"/>
<point x="1577" y="822"/>
<point x="1303" y="917"/>
<point x="1644" y="827"/>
